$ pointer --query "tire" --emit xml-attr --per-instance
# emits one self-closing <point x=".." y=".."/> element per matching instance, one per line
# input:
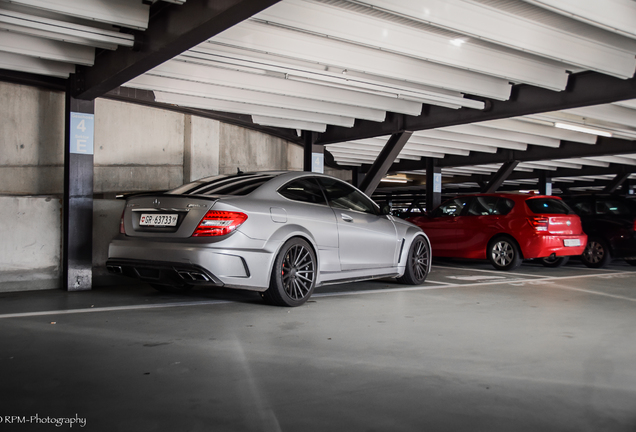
<point x="596" y="253"/>
<point x="293" y="275"/>
<point x="555" y="261"/>
<point x="416" y="262"/>
<point x="503" y="253"/>
<point x="631" y="262"/>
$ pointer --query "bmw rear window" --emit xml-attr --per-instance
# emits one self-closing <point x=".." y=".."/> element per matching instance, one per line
<point x="238" y="184"/>
<point x="548" y="206"/>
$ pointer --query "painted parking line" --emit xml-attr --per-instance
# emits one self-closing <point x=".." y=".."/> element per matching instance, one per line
<point x="428" y="286"/>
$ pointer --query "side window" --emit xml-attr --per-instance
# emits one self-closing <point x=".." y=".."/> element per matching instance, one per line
<point x="612" y="207"/>
<point x="450" y="208"/>
<point x="582" y="208"/>
<point x="344" y="196"/>
<point x="303" y="190"/>
<point x="483" y="206"/>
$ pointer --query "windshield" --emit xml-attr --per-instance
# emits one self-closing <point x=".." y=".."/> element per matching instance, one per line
<point x="548" y="206"/>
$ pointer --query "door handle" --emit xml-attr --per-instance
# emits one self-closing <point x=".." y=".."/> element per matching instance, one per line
<point x="346" y="218"/>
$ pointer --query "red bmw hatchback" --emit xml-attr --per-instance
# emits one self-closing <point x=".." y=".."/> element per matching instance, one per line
<point x="504" y="228"/>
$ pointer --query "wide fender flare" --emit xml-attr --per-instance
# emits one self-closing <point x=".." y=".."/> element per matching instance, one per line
<point x="411" y="233"/>
<point x="282" y="235"/>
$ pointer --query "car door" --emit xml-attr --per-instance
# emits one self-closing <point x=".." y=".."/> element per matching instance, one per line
<point x="441" y="227"/>
<point x="479" y="222"/>
<point x="306" y="206"/>
<point x="366" y="238"/>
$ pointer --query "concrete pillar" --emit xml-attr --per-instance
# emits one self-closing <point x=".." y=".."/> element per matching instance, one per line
<point x="433" y="185"/>
<point x="77" y="261"/>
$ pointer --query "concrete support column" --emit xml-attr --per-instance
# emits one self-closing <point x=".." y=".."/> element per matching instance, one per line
<point x="77" y="256"/>
<point x="545" y="183"/>
<point x="433" y="185"/>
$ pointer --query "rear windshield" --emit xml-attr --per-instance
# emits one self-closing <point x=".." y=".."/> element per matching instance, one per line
<point x="548" y="206"/>
<point x="238" y="184"/>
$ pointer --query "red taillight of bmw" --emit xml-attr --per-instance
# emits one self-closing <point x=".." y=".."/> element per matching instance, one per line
<point x="217" y="223"/>
<point x="539" y="223"/>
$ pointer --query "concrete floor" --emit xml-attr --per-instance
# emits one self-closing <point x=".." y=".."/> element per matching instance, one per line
<point x="473" y="349"/>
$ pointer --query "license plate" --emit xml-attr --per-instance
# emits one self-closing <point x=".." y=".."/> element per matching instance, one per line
<point x="571" y="242"/>
<point x="162" y="220"/>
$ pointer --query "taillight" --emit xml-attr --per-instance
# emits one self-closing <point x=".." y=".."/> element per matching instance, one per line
<point x="122" y="228"/>
<point x="634" y="224"/>
<point x="539" y="223"/>
<point x="216" y="223"/>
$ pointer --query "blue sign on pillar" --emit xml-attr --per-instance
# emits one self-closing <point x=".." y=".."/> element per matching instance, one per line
<point x="437" y="182"/>
<point x="318" y="162"/>
<point x="82" y="133"/>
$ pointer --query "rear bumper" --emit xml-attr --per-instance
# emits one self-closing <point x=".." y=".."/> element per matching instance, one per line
<point x="542" y="246"/>
<point x="238" y="262"/>
<point x="165" y="273"/>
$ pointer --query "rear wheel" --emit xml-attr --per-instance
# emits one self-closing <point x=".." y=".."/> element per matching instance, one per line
<point x="416" y="262"/>
<point x="293" y="276"/>
<point x="503" y="253"/>
<point x="596" y="253"/>
<point x="554" y="261"/>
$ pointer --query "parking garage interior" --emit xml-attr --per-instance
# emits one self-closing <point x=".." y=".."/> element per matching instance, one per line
<point x="411" y="103"/>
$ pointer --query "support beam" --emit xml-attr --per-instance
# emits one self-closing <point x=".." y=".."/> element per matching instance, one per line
<point x="500" y="176"/>
<point x="604" y="146"/>
<point x="171" y="31"/>
<point x="583" y="89"/>
<point x="433" y="185"/>
<point x="385" y="159"/>
<point x="616" y="183"/>
<point x="545" y="182"/>
<point x="77" y="252"/>
<point x="308" y="143"/>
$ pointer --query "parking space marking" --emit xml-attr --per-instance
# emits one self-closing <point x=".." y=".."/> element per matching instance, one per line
<point x="113" y="308"/>
<point x="491" y="271"/>
<point x="435" y="285"/>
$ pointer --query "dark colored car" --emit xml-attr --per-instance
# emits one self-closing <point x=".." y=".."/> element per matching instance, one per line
<point x="505" y="229"/>
<point x="610" y="223"/>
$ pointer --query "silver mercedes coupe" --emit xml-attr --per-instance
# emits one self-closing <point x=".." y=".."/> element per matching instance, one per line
<point x="279" y="233"/>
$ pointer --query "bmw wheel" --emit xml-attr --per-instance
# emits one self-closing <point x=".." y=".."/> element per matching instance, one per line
<point x="416" y="262"/>
<point x="503" y="253"/>
<point x="596" y="253"/>
<point x="293" y="276"/>
<point x="554" y="261"/>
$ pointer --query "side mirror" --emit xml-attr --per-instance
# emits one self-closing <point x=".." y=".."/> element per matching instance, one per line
<point x="386" y="209"/>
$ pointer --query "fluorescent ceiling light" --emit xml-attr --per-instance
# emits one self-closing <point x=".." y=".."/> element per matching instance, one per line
<point x="393" y="180"/>
<point x="582" y="129"/>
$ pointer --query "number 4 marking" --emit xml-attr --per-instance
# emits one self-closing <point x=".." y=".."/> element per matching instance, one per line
<point x="81" y="126"/>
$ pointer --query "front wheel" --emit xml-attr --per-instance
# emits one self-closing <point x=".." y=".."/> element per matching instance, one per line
<point x="554" y="261"/>
<point x="416" y="262"/>
<point x="293" y="276"/>
<point x="596" y="253"/>
<point x="503" y="253"/>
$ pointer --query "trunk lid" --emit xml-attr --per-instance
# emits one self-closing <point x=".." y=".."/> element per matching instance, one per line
<point x="166" y="216"/>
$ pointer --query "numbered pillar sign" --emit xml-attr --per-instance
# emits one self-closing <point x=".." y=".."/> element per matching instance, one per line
<point x="82" y="133"/>
<point x="318" y="162"/>
<point x="437" y="182"/>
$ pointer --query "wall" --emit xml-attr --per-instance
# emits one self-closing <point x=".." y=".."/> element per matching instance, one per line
<point x="30" y="250"/>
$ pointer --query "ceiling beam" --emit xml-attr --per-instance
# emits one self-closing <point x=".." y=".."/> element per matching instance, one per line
<point x="604" y="146"/>
<point x="587" y="88"/>
<point x="171" y="31"/>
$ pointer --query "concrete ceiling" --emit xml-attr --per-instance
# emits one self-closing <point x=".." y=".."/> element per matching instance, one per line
<point x="477" y="81"/>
